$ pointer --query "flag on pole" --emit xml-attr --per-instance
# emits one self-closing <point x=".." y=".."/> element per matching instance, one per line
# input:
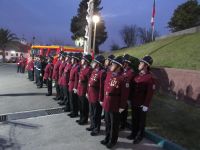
<point x="153" y="15"/>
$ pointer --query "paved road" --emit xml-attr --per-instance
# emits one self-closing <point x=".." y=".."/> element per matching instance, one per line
<point x="18" y="94"/>
<point x="52" y="132"/>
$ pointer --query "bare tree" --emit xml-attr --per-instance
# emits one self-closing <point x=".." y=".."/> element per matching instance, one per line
<point x="129" y="35"/>
<point x="145" y="35"/>
<point x="114" y="47"/>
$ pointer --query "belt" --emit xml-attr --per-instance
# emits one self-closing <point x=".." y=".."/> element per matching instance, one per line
<point x="112" y="94"/>
<point x="81" y="81"/>
<point x="92" y="86"/>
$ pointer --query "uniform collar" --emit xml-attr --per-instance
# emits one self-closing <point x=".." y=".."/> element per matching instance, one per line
<point x="143" y="73"/>
<point x="114" y="74"/>
<point x="127" y="69"/>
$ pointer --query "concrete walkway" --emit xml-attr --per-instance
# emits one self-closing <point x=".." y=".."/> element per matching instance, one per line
<point x="59" y="132"/>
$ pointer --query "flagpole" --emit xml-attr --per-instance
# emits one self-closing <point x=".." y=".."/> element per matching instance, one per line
<point x="153" y="20"/>
<point x="152" y="34"/>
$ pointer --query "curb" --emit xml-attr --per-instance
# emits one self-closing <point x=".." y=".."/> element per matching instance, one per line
<point x="160" y="141"/>
<point x="30" y="114"/>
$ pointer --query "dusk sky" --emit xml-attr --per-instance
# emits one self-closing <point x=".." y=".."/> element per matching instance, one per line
<point x="50" y="19"/>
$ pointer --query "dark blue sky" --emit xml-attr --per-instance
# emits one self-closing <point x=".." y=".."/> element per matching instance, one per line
<point x="50" y="19"/>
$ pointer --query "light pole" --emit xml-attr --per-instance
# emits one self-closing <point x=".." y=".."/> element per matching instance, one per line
<point x="95" y="19"/>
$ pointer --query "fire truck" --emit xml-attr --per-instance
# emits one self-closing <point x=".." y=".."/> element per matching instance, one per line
<point x="52" y="50"/>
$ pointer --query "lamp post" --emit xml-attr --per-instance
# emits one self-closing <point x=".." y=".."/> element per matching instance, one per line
<point x="95" y="19"/>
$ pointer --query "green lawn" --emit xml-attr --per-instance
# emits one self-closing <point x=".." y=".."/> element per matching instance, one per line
<point x="176" y="121"/>
<point x="174" y="52"/>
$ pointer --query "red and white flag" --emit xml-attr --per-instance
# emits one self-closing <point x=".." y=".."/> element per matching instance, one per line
<point x="153" y="14"/>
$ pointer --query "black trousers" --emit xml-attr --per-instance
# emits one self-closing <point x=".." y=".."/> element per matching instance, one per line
<point x="40" y="81"/>
<point x="84" y="108"/>
<point x="66" y="98"/>
<point x="35" y="76"/>
<point x="112" y="126"/>
<point x="64" y="92"/>
<point x="138" y="122"/>
<point x="95" y="116"/>
<point x="74" y="103"/>
<point x="22" y="69"/>
<point x="30" y="75"/>
<point x="49" y="86"/>
<point x="123" y="117"/>
<point x="18" y="68"/>
<point x="57" y="89"/>
<point x="61" y="93"/>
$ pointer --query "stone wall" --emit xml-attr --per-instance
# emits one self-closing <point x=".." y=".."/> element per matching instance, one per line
<point x="187" y="31"/>
<point x="183" y="84"/>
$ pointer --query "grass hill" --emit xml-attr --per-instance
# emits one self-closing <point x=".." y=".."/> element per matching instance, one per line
<point x="173" y="52"/>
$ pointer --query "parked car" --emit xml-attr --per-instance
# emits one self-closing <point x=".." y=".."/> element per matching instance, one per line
<point x="12" y="60"/>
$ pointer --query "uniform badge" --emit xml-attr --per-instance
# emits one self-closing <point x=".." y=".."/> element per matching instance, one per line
<point x="127" y="85"/>
<point x="154" y="87"/>
<point x="114" y="83"/>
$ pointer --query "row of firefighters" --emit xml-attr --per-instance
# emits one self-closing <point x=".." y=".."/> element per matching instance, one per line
<point x="87" y="87"/>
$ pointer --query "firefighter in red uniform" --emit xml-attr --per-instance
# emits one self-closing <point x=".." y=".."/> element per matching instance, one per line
<point x="64" y="80"/>
<point x="114" y="101"/>
<point x="56" y="77"/>
<point x="143" y="89"/>
<point x="23" y="64"/>
<point x="48" y="72"/>
<point x="95" y="94"/>
<point x="128" y="74"/>
<point x="60" y="72"/>
<point x="108" y="62"/>
<point x="30" y="69"/>
<point x="84" y="76"/>
<point x="73" y="83"/>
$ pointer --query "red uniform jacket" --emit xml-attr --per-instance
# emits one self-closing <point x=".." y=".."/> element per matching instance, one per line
<point x="84" y="77"/>
<point x="65" y="75"/>
<point x="48" y="72"/>
<point x="128" y="75"/>
<point x="114" y="92"/>
<point x="61" y="70"/>
<point x="56" y="70"/>
<point x="30" y="65"/>
<point x="74" y="77"/>
<point x="143" y="89"/>
<point x="96" y="85"/>
<point x="23" y="62"/>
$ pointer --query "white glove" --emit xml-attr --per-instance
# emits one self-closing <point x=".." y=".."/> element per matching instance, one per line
<point x="49" y="79"/>
<point x="86" y="95"/>
<point x="144" y="108"/>
<point x="75" y="91"/>
<point x="129" y="102"/>
<point x="101" y="103"/>
<point x="121" y="110"/>
<point x="40" y="74"/>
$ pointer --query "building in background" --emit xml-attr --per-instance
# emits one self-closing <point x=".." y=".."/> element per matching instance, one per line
<point x="14" y="50"/>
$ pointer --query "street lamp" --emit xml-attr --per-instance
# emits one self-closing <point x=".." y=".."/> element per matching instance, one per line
<point x="95" y="19"/>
